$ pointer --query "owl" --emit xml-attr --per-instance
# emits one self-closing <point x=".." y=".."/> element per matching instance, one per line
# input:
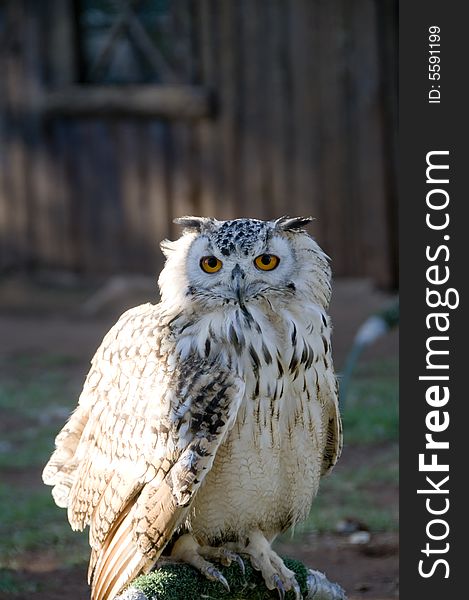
<point x="207" y="420"/>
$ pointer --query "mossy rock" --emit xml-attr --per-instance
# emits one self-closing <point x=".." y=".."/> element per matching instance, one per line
<point x="177" y="581"/>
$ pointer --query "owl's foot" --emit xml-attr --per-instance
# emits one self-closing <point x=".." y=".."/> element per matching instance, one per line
<point x="192" y="553"/>
<point x="264" y="559"/>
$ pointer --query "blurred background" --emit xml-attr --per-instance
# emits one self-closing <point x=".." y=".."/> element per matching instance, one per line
<point x="117" y="116"/>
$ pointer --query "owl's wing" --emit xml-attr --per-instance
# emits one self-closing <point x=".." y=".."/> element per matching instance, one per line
<point x="329" y="398"/>
<point x="144" y="435"/>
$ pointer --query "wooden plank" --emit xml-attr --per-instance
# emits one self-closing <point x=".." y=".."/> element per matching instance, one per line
<point x="5" y="241"/>
<point x="181" y="33"/>
<point x="146" y="186"/>
<point x="156" y="194"/>
<point x="16" y="193"/>
<point x="387" y="39"/>
<point x="332" y="133"/>
<point x="180" y="163"/>
<point x="87" y="200"/>
<point x="61" y="50"/>
<point x="168" y="101"/>
<point x="279" y="145"/>
<point x="130" y="171"/>
<point x="46" y="233"/>
<point x="106" y="197"/>
<point x="93" y="215"/>
<point x="47" y="237"/>
<point x="369" y="143"/>
<point x="352" y="206"/>
<point x="61" y="156"/>
<point x="305" y="192"/>
<point x="68" y="142"/>
<point x="205" y="132"/>
<point x="6" y="251"/>
<point x="16" y="171"/>
<point x="185" y="182"/>
<point x="229" y="92"/>
<point x="253" y="108"/>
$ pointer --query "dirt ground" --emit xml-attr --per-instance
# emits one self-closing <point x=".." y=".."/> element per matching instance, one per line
<point x="35" y="316"/>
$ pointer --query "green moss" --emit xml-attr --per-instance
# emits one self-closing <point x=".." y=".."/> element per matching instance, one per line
<point x="182" y="582"/>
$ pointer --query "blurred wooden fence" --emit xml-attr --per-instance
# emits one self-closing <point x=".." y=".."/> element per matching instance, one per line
<point x="269" y="108"/>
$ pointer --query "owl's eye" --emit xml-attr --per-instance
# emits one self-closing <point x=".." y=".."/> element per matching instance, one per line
<point x="266" y="262"/>
<point x="210" y="264"/>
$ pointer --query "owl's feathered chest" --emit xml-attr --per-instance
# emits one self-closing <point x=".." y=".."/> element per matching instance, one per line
<point x="278" y="352"/>
<point x="271" y="457"/>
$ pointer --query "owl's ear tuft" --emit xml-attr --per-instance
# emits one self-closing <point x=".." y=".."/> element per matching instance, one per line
<point x="167" y="246"/>
<point x="292" y="223"/>
<point x="197" y="224"/>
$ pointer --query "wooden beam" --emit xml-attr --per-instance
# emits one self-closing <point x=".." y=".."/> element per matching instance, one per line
<point x="61" y="48"/>
<point x="155" y="101"/>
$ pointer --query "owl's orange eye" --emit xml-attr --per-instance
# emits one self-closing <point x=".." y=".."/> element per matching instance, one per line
<point x="267" y="262"/>
<point x="210" y="264"/>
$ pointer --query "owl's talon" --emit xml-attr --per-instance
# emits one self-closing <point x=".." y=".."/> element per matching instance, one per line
<point x="276" y="575"/>
<point x="280" y="587"/>
<point x="186" y="549"/>
<point x="297" y="590"/>
<point x="240" y="563"/>
<point x="226" y="557"/>
<point x="215" y="575"/>
<point x="222" y="555"/>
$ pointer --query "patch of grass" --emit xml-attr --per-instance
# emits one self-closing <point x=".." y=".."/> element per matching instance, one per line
<point x="385" y="472"/>
<point x="31" y="521"/>
<point x="27" y="360"/>
<point x="12" y="583"/>
<point x="29" y="397"/>
<point x="36" y="395"/>
<point x="36" y="387"/>
<point x="326" y="515"/>
<point x="34" y="404"/>
<point x="26" y="448"/>
<point x="371" y="412"/>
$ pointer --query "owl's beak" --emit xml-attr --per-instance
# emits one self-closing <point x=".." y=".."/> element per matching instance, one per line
<point x="237" y="277"/>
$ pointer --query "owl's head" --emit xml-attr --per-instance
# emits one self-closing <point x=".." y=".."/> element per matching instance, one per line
<point x="215" y="263"/>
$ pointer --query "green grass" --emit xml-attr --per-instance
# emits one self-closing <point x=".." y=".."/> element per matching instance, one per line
<point x="371" y="412"/>
<point x="13" y="583"/>
<point x="36" y="394"/>
<point x="33" y="405"/>
<point x="32" y="522"/>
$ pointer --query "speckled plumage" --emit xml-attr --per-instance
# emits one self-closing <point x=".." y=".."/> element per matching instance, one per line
<point x="208" y="419"/>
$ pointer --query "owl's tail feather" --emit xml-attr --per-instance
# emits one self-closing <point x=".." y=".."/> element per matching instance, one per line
<point x="135" y="541"/>
<point x="118" y="562"/>
<point x="99" y="554"/>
